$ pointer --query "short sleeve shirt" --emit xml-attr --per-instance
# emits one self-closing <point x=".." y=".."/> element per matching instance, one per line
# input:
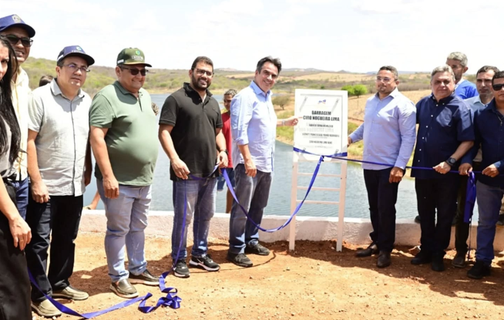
<point x="194" y="123"/>
<point x="442" y="126"/>
<point x="131" y="139"/>
<point x="62" y="139"/>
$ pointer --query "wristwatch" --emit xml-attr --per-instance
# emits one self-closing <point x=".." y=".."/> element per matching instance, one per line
<point x="451" y="161"/>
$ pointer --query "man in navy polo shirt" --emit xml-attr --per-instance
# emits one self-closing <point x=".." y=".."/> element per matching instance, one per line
<point x="490" y="186"/>
<point x="445" y="134"/>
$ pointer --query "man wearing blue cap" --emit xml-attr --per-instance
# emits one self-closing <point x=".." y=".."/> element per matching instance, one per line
<point x="19" y="35"/>
<point x="59" y="164"/>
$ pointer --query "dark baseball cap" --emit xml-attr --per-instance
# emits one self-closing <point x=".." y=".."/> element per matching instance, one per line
<point x="131" y="56"/>
<point x="15" y="21"/>
<point x="75" y="51"/>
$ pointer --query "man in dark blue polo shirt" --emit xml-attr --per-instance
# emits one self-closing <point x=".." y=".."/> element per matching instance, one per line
<point x="445" y="134"/>
<point x="489" y="131"/>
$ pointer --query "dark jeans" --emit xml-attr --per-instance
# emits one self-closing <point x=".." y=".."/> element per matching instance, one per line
<point x="21" y="195"/>
<point x="462" y="228"/>
<point x="382" y="197"/>
<point x="252" y="194"/>
<point x="14" y="283"/>
<point x="61" y="215"/>
<point x="436" y="195"/>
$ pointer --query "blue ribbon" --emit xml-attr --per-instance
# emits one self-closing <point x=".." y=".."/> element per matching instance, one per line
<point x="470" y="197"/>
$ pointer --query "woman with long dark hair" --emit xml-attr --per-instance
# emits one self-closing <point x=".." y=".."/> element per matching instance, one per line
<point x="14" y="232"/>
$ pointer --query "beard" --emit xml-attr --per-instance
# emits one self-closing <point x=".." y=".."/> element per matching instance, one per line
<point x="195" y="82"/>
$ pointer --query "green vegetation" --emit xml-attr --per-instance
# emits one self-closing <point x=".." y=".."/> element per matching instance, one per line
<point x="285" y="134"/>
<point x="355" y="150"/>
<point x="281" y="100"/>
<point x="355" y="90"/>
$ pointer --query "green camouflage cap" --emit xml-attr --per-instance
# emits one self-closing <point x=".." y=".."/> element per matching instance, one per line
<point x="131" y="56"/>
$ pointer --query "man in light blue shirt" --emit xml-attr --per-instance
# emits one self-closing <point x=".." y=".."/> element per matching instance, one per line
<point x="253" y="128"/>
<point x="389" y="136"/>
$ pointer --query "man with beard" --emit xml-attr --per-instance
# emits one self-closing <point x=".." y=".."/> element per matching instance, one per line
<point x="484" y="87"/>
<point x="19" y="35"/>
<point x="123" y="138"/>
<point x="445" y="134"/>
<point x="389" y="136"/>
<point x="190" y="131"/>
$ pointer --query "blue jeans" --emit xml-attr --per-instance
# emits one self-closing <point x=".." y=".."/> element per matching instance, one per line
<point x="22" y="195"/>
<point x="200" y="198"/>
<point x="126" y="222"/>
<point x="489" y="203"/>
<point x="221" y="181"/>
<point x="252" y="194"/>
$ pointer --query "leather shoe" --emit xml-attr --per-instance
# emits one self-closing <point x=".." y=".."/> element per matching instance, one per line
<point x="370" y="250"/>
<point x="422" y="257"/>
<point x="383" y="259"/>
<point x="437" y="263"/>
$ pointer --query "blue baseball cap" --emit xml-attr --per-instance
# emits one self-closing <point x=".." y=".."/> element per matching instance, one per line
<point x="75" y="51"/>
<point x="15" y="21"/>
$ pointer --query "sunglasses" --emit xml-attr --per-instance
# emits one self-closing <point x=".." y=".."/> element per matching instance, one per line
<point x="135" y="71"/>
<point x="13" y="39"/>
<point x="497" y="87"/>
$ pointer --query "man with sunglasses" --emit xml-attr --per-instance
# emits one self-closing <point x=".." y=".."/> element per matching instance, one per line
<point x="490" y="185"/>
<point x="389" y="136"/>
<point x="123" y="138"/>
<point x="190" y="131"/>
<point x="59" y="164"/>
<point x="445" y="134"/>
<point x="484" y="86"/>
<point x="19" y="34"/>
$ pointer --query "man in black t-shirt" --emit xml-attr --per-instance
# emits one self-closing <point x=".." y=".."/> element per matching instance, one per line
<point x="190" y="131"/>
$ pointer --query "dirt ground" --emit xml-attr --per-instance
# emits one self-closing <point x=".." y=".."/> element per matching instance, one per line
<point x="313" y="282"/>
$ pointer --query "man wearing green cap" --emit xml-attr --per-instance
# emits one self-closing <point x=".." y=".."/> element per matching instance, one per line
<point x="124" y="142"/>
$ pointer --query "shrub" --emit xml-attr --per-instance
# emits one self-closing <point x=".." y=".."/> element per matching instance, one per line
<point x="281" y="101"/>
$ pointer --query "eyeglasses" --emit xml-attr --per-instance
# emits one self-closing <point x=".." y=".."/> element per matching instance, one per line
<point x="73" y="67"/>
<point x="201" y="72"/>
<point x="135" y="71"/>
<point x="384" y="79"/>
<point x="13" y="39"/>
<point x="498" y="87"/>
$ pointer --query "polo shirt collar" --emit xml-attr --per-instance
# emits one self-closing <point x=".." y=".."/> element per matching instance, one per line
<point x="189" y="90"/>
<point x="118" y="85"/>
<point x="444" y="100"/>
<point x="55" y="89"/>
<point x="258" y="90"/>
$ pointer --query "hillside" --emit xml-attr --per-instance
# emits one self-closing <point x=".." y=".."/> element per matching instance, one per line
<point x="165" y="81"/>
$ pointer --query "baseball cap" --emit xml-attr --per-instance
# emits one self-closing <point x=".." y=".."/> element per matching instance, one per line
<point x="75" y="51"/>
<point x="15" y="21"/>
<point x="131" y="56"/>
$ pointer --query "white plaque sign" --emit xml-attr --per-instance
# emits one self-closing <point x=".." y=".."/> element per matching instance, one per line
<point x="322" y="127"/>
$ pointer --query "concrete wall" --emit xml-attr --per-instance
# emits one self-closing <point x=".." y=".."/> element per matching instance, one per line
<point x="307" y="228"/>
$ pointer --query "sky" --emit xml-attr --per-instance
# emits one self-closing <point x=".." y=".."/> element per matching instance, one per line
<point x="356" y="36"/>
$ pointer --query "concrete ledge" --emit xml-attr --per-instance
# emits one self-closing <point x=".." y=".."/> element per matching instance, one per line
<point x="356" y="231"/>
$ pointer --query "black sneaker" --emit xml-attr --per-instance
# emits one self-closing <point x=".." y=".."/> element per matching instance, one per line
<point x="479" y="270"/>
<point x="143" y="278"/>
<point x="204" y="263"/>
<point x="181" y="270"/>
<point x="257" y="249"/>
<point x="239" y="259"/>
<point x="124" y="289"/>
